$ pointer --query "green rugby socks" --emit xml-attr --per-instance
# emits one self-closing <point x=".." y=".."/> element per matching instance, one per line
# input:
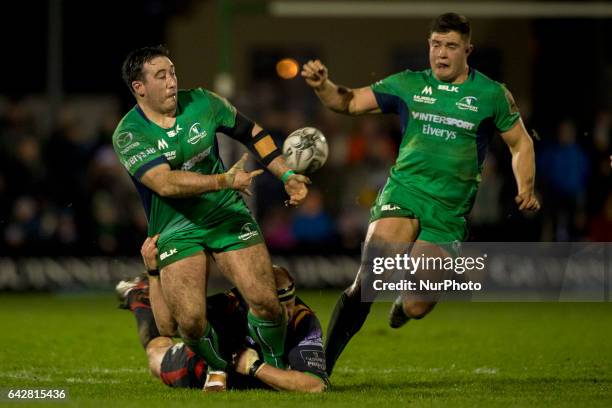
<point x="207" y="347"/>
<point x="270" y="335"/>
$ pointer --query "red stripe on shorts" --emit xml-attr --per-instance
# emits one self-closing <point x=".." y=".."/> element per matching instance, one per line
<point x="199" y="369"/>
<point x="173" y="376"/>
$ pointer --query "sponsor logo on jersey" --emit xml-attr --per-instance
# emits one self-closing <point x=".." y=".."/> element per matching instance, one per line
<point x="162" y="144"/>
<point x="427" y="90"/>
<point x="168" y="253"/>
<point x="467" y="103"/>
<point x="174" y="132"/>
<point x="313" y="358"/>
<point x="130" y="147"/>
<point x="424" y="99"/>
<point x="390" y="207"/>
<point x="171" y="155"/>
<point x="448" y="88"/>
<point x="445" y="120"/>
<point x="196" y="133"/>
<point x="434" y="131"/>
<point x="124" y="139"/>
<point x="188" y="165"/>
<point x="248" y="231"/>
<point x="140" y="156"/>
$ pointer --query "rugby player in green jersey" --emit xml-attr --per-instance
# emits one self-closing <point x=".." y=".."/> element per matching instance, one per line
<point x="168" y="144"/>
<point x="447" y="113"/>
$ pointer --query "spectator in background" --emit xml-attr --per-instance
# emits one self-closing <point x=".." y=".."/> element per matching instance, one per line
<point x="564" y="168"/>
<point x="278" y="231"/>
<point x="601" y="225"/>
<point x="68" y="154"/>
<point x="26" y="173"/>
<point x="600" y="174"/>
<point x="313" y="227"/>
<point x="22" y="232"/>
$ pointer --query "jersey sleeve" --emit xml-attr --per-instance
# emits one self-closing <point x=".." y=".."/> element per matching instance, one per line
<point x="224" y="111"/>
<point x="136" y="152"/>
<point x="506" y="111"/>
<point x="307" y="355"/>
<point x="387" y="92"/>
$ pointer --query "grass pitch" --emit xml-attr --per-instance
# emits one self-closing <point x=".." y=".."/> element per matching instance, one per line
<point x="463" y="354"/>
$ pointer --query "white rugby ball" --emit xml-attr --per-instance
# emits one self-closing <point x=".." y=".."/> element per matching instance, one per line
<point x="305" y="150"/>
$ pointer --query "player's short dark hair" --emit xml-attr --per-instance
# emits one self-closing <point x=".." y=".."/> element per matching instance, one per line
<point x="448" y="22"/>
<point x="131" y="69"/>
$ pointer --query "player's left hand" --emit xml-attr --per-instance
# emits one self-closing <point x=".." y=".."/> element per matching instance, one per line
<point x="527" y="201"/>
<point x="245" y="360"/>
<point x="297" y="189"/>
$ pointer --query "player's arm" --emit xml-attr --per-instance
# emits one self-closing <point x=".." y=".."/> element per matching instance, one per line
<point x="523" y="165"/>
<point x="260" y="142"/>
<point x="248" y="363"/>
<point x="177" y="183"/>
<point x="338" y="98"/>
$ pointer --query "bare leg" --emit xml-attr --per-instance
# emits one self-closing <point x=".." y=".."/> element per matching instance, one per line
<point x="250" y="269"/>
<point x="418" y="306"/>
<point x="156" y="349"/>
<point x="165" y="322"/>
<point x="184" y="287"/>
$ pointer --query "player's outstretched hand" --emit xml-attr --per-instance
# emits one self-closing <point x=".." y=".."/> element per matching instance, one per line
<point x="527" y="201"/>
<point x="245" y="360"/>
<point x="149" y="252"/>
<point x="239" y="179"/>
<point x="296" y="187"/>
<point x="315" y="73"/>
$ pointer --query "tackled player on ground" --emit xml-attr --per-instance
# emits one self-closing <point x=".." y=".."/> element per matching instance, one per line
<point x="177" y="366"/>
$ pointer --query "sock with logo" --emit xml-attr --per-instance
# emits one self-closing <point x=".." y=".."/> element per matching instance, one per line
<point x="207" y="347"/>
<point x="270" y="335"/>
<point x="349" y="315"/>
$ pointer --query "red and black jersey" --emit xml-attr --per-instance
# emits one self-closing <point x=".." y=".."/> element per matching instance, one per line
<point x="227" y="312"/>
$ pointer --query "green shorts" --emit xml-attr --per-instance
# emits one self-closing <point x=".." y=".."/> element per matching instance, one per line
<point x="236" y="230"/>
<point x="437" y="224"/>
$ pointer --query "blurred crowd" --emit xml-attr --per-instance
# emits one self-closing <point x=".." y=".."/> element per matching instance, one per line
<point x="64" y="192"/>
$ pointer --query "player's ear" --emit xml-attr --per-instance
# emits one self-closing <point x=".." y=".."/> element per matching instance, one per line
<point x="469" y="49"/>
<point x="138" y="88"/>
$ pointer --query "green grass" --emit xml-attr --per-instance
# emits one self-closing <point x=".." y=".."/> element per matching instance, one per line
<point x="463" y="354"/>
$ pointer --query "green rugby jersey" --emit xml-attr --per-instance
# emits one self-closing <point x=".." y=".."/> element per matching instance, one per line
<point x="446" y="129"/>
<point x="191" y="145"/>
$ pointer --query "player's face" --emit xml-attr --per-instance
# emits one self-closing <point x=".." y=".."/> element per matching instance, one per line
<point x="448" y="53"/>
<point x="160" y="84"/>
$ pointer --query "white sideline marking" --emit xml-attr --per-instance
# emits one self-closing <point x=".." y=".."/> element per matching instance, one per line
<point x="25" y="375"/>
<point x="75" y="376"/>
<point x="412" y="369"/>
<point x="486" y="370"/>
<point x="73" y="380"/>
<point x="102" y="370"/>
